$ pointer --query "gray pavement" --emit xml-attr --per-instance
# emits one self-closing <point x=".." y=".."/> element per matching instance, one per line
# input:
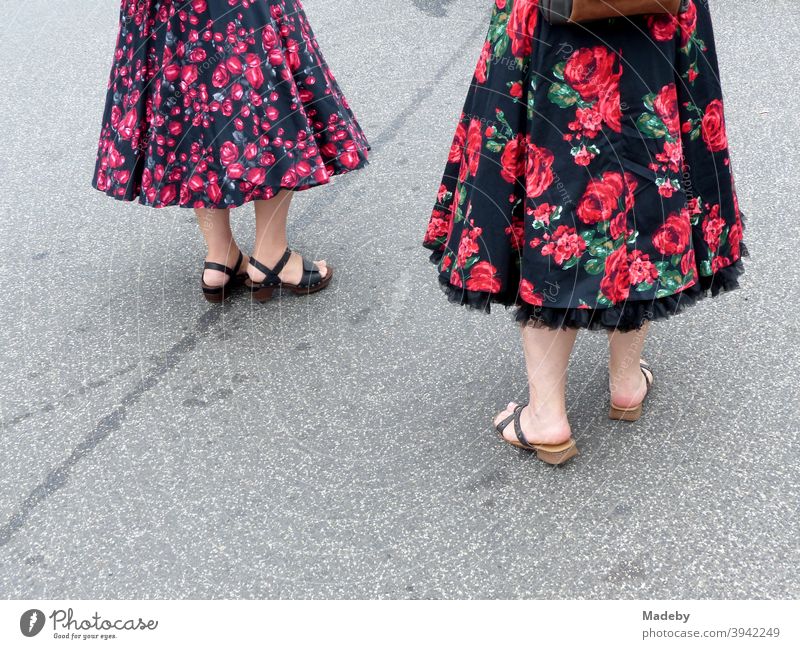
<point x="153" y="447"/>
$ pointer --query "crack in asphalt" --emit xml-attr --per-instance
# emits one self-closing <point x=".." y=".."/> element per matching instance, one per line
<point x="107" y="424"/>
<point x="57" y="477"/>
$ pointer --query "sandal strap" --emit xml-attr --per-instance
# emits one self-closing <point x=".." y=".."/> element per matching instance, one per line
<point x="501" y="427"/>
<point x="230" y="272"/>
<point x="272" y="273"/>
<point x="311" y="275"/>
<point x="645" y="367"/>
<point x="518" y="427"/>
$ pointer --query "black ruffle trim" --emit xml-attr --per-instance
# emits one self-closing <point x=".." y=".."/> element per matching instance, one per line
<point x="629" y="316"/>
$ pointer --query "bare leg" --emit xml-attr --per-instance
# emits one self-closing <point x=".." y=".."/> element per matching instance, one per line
<point x="222" y="247"/>
<point x="271" y="242"/>
<point x="547" y="354"/>
<point x="627" y="383"/>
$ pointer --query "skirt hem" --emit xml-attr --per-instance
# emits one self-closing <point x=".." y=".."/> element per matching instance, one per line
<point x="627" y="316"/>
<point x="239" y="203"/>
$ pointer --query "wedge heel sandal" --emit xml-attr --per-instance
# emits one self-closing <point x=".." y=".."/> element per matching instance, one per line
<point x="554" y="454"/>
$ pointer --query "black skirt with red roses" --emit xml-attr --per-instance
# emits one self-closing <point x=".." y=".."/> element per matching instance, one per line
<point x="589" y="182"/>
<point x="214" y="103"/>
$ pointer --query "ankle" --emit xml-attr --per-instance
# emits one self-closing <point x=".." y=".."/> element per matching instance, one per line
<point x="547" y="417"/>
<point x="270" y="254"/>
<point x="227" y="255"/>
<point x="627" y="386"/>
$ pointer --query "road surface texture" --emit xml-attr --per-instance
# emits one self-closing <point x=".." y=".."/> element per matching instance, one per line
<point x="154" y="446"/>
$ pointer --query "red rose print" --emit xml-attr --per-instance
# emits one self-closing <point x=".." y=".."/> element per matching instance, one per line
<point x="718" y="263"/>
<point x="713" y="127"/>
<point x="128" y="124"/>
<point x="468" y="246"/>
<point x="438" y="227"/>
<point x="619" y="226"/>
<point x="662" y="27"/>
<point x="615" y="285"/>
<point x="234" y="65"/>
<point x="269" y="38"/>
<point x="564" y="244"/>
<point x="528" y="293"/>
<point x="641" y="269"/>
<point x="214" y="193"/>
<point x="673" y="236"/>
<point x="590" y="121"/>
<point x="349" y="155"/>
<point x="735" y="236"/>
<point x="172" y="72"/>
<point x="688" y="264"/>
<point x="521" y="27"/>
<point x="538" y="170"/>
<point x="513" y="159"/>
<point x="516" y="232"/>
<point x="666" y="107"/>
<point x="473" y="147"/>
<point x="256" y="175"/>
<point x="713" y="227"/>
<point x="590" y="70"/>
<point x="601" y="199"/>
<point x="167" y="194"/>
<point x="688" y="23"/>
<point x="221" y="76"/>
<point x="480" y="70"/>
<point x="483" y="277"/>
<point x="457" y="148"/>
<point x="228" y="153"/>
<point x="610" y="105"/>
<point x="189" y="75"/>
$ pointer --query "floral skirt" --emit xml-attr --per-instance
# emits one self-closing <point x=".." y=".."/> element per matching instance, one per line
<point x="214" y="103"/>
<point x="589" y="181"/>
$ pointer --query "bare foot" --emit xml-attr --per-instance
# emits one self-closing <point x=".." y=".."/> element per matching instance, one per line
<point x="292" y="273"/>
<point x="537" y="428"/>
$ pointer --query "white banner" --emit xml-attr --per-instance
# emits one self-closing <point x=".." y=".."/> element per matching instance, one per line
<point x="379" y="624"/>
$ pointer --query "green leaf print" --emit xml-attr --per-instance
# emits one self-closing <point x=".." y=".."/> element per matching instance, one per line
<point x="651" y="126"/>
<point x="595" y="266"/>
<point x="570" y="264"/>
<point x="562" y="95"/>
<point x="558" y="70"/>
<point x="494" y="147"/>
<point x="644" y="287"/>
<point x="601" y="248"/>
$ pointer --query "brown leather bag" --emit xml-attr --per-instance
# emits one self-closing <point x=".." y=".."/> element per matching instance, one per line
<point x="581" y="11"/>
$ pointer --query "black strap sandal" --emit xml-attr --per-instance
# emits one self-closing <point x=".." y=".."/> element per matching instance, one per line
<point x="555" y="454"/>
<point x="635" y="413"/>
<point x="312" y="280"/>
<point x="236" y="279"/>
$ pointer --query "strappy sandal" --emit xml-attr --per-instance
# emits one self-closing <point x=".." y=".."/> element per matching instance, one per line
<point x="555" y="454"/>
<point x="634" y="414"/>
<point x="236" y="279"/>
<point x="311" y="282"/>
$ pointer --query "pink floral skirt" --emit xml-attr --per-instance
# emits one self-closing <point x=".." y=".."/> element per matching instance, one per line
<point x="214" y="103"/>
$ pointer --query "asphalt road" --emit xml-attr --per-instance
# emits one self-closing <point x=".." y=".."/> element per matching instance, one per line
<point x="153" y="447"/>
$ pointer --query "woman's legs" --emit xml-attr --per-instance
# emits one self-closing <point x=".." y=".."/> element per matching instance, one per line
<point x="222" y="247"/>
<point x="627" y="383"/>
<point x="547" y="354"/>
<point x="271" y="242"/>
